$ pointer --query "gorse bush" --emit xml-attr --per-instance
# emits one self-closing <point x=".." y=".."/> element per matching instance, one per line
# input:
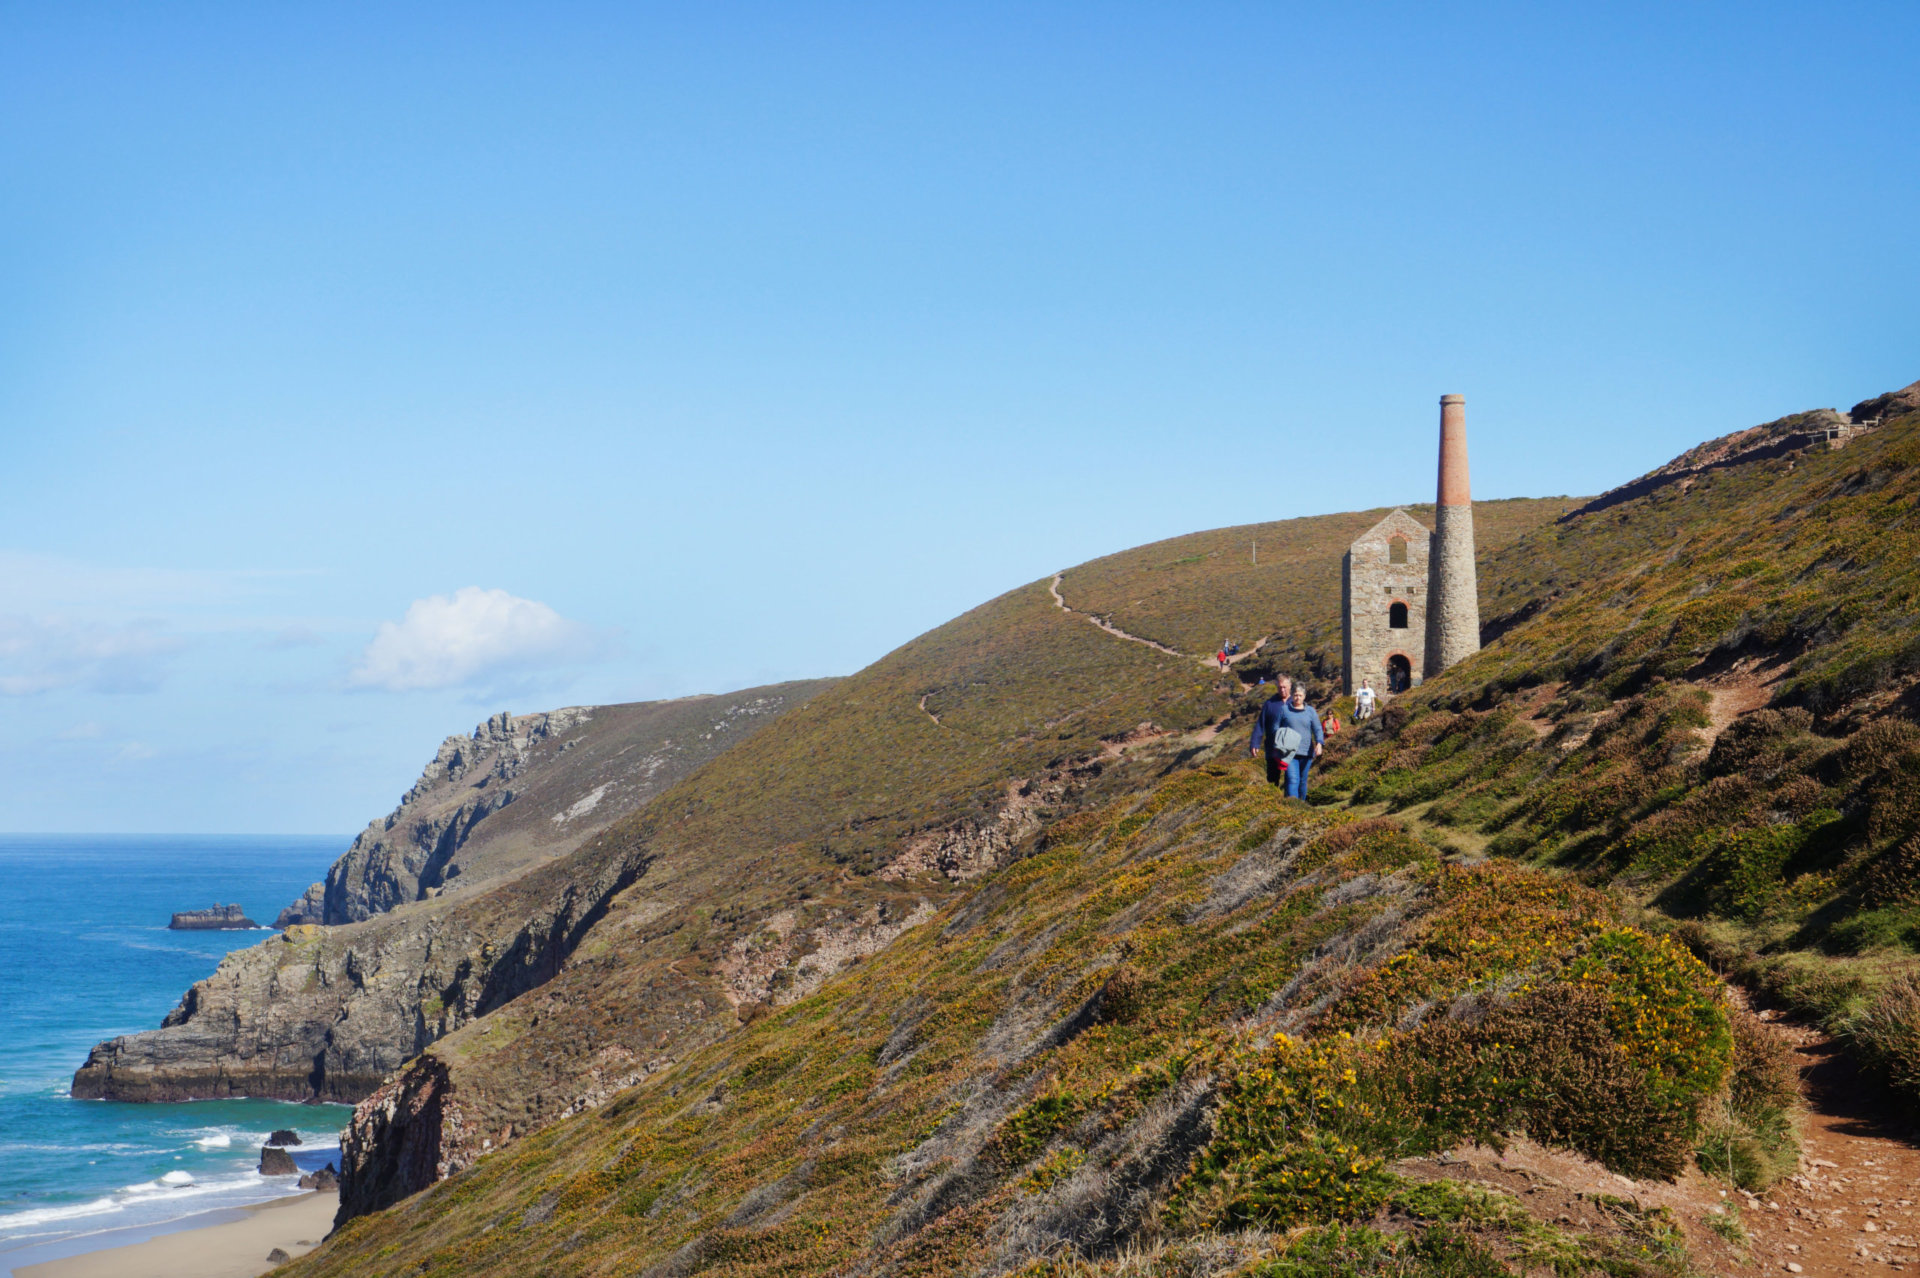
<point x="1663" y="1007"/>
<point x="1547" y="1064"/>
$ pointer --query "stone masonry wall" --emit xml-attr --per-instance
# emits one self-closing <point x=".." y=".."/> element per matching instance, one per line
<point x="1372" y="585"/>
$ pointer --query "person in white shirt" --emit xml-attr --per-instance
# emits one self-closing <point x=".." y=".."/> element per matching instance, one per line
<point x="1363" y="702"/>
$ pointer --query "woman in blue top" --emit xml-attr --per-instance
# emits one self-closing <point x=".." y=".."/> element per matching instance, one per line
<point x="1290" y="729"/>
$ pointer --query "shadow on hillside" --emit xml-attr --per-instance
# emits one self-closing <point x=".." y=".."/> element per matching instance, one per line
<point x="1836" y="1085"/>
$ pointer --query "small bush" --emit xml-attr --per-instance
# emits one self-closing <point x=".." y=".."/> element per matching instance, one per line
<point x="1124" y="996"/>
<point x="1887" y="1035"/>
<point x="1340" y="1251"/>
<point x="1027" y="1130"/>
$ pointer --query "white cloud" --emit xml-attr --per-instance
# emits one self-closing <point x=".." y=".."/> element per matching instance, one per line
<point x="471" y="636"/>
<point x="38" y="654"/>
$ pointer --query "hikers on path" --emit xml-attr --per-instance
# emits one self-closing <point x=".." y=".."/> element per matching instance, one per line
<point x="1289" y="732"/>
<point x="1363" y="702"/>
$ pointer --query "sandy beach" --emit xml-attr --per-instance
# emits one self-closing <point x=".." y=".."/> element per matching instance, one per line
<point x="231" y="1249"/>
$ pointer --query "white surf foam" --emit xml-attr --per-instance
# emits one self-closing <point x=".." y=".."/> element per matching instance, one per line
<point x="149" y="1201"/>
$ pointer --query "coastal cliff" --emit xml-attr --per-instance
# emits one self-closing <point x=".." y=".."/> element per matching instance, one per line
<point x="520" y="789"/>
<point x="328" y="1013"/>
<point x="479" y="899"/>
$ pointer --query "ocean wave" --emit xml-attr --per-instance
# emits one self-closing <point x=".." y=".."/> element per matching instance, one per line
<point x="54" y="1215"/>
<point x="110" y="1147"/>
<point x="150" y="1199"/>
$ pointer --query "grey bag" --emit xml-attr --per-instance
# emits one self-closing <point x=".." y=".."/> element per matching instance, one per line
<point x="1289" y="740"/>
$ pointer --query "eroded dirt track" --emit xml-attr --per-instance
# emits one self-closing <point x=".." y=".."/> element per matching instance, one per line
<point x="1851" y="1208"/>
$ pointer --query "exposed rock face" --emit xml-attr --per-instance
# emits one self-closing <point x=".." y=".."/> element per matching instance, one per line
<point x="311" y="907"/>
<point x="393" y="1145"/>
<point x="521" y="789"/>
<point x="1821" y="428"/>
<point x="328" y="1013"/>
<point x="1885" y="408"/>
<point x="284" y="1136"/>
<point x="325" y="1179"/>
<point x="219" y="918"/>
<point x="410" y="852"/>
<point x="275" y="1161"/>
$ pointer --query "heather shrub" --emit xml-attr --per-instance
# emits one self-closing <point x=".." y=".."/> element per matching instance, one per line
<point x="1893" y="877"/>
<point x="1124" y="996"/>
<point x="1747" y="1134"/>
<point x="1664" y="1008"/>
<point x="1887" y="1036"/>
<point x="1350" y="1251"/>
<point x="1027" y="1130"/>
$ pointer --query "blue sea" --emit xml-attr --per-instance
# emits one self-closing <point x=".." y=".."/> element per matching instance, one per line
<point x="85" y="954"/>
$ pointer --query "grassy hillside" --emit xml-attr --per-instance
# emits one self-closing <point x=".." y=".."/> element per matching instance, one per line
<point x="969" y="972"/>
<point x="1279" y="579"/>
<point x="1712" y="712"/>
<point x="770" y="868"/>
<point x="1163" y="1026"/>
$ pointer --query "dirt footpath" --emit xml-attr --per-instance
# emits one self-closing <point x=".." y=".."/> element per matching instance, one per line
<point x="1851" y="1208"/>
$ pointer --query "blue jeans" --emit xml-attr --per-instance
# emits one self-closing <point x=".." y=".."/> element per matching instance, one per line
<point x="1297" y="775"/>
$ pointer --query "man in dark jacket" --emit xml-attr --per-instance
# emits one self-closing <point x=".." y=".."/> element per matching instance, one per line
<point x="1292" y="735"/>
<point x="1263" y="727"/>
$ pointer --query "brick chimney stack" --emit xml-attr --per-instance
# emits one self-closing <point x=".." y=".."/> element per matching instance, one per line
<point x="1453" y="590"/>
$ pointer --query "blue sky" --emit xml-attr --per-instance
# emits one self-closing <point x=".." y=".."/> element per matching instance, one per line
<point x="367" y="369"/>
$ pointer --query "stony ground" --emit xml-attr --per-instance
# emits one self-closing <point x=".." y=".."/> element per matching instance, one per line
<point x="1851" y="1207"/>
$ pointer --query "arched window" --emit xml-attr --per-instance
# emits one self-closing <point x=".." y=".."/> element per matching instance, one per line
<point x="1397" y="616"/>
<point x="1396" y="549"/>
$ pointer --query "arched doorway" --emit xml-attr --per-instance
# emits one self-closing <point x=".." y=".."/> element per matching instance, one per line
<point x="1399" y="673"/>
<point x="1397" y="616"/>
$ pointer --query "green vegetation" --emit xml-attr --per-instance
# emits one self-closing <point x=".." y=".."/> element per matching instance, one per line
<point x="1102" y="1019"/>
<point x="1785" y="844"/>
<point x="1186" y="1026"/>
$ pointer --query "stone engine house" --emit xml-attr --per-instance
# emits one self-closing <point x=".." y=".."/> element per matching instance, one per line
<point x="1384" y="580"/>
<point x="1410" y="598"/>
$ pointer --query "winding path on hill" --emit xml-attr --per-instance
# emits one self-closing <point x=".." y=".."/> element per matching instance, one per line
<point x="1106" y="625"/>
<point x="1208" y="661"/>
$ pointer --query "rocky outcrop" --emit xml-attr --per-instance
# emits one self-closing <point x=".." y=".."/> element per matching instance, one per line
<point x="275" y="1161"/>
<point x="409" y="853"/>
<point x="219" y="918"/>
<point x="329" y="1013"/>
<point x="392" y="1146"/>
<point x="311" y="907"/>
<point x="1888" y="407"/>
<point x="522" y="789"/>
<point x="1821" y="428"/>
<point x="325" y="1180"/>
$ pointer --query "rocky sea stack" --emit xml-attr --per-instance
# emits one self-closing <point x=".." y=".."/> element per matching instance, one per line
<point x="219" y="918"/>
